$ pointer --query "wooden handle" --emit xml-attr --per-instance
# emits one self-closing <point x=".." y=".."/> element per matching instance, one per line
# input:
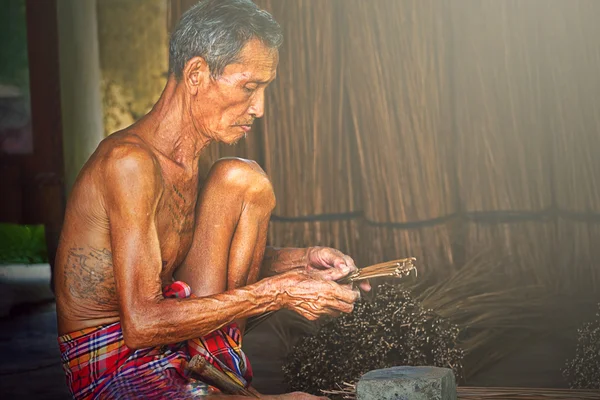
<point x="201" y="367"/>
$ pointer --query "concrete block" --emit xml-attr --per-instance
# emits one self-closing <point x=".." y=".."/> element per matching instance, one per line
<point x="23" y="284"/>
<point x="407" y="383"/>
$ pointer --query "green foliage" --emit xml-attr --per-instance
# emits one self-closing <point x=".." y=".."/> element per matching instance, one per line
<point x="393" y="330"/>
<point x="583" y="371"/>
<point x="13" y="45"/>
<point x="22" y="244"/>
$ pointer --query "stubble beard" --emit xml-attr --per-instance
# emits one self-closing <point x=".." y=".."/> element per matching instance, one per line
<point x="238" y="140"/>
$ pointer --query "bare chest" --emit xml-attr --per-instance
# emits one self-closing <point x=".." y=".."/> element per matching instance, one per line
<point x="175" y="224"/>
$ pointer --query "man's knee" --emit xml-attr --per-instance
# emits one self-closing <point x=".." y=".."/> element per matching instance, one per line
<point x="238" y="175"/>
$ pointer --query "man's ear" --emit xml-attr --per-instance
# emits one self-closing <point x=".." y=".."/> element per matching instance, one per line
<point x="195" y="74"/>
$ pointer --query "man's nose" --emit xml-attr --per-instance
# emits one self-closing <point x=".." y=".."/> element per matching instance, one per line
<point x="257" y="107"/>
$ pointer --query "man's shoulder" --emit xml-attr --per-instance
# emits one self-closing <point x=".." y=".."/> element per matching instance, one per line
<point x="127" y="151"/>
<point x="125" y="159"/>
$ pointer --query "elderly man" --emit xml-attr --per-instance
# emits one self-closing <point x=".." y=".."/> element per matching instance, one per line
<point x="152" y="269"/>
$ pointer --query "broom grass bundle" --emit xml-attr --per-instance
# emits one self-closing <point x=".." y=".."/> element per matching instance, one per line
<point x="498" y="315"/>
<point x="528" y="248"/>
<point x="572" y="57"/>
<point x="495" y="317"/>
<point x="308" y="154"/>
<point x="397" y="91"/>
<point x="583" y="370"/>
<point x="502" y="156"/>
<point x="579" y="257"/>
<point x="393" y="329"/>
<point x="389" y="269"/>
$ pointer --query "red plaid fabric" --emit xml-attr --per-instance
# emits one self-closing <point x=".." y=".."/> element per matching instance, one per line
<point x="98" y="364"/>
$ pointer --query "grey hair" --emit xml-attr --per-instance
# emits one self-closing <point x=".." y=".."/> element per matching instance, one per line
<point x="217" y="30"/>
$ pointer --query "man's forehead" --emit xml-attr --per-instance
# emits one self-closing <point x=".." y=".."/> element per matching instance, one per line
<point x="258" y="61"/>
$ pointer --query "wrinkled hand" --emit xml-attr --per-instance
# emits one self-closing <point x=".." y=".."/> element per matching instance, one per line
<point x="326" y="257"/>
<point x="313" y="293"/>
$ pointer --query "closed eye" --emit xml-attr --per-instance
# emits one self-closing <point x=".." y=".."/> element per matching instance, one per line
<point x="250" y="89"/>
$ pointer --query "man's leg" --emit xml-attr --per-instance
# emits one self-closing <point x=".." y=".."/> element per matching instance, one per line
<point x="232" y="217"/>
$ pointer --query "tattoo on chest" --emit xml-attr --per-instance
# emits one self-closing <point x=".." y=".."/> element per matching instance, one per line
<point x="89" y="274"/>
<point x="181" y="213"/>
<point x="178" y="193"/>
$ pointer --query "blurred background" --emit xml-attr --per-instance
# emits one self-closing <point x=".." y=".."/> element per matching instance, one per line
<point x="465" y="133"/>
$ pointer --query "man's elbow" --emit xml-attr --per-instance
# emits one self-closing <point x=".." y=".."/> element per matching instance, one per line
<point x="133" y="339"/>
<point x="137" y="334"/>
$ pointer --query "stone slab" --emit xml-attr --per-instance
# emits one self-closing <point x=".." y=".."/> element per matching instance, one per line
<point x="407" y="383"/>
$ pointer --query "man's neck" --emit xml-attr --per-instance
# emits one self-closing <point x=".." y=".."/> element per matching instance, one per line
<point x="170" y="130"/>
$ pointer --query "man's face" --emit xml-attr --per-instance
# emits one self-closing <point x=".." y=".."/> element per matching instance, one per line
<point x="226" y="107"/>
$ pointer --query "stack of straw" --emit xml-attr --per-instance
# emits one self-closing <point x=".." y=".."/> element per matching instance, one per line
<point x="309" y="152"/>
<point x="495" y="318"/>
<point x="502" y="156"/>
<point x="571" y="54"/>
<point x="398" y="95"/>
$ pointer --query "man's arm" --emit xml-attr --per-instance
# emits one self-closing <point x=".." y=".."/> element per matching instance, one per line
<point x="133" y="190"/>
<point x="279" y="260"/>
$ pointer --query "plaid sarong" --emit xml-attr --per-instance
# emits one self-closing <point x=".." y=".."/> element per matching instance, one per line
<point x="99" y="365"/>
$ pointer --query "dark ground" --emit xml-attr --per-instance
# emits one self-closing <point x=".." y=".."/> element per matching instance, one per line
<point x="30" y="363"/>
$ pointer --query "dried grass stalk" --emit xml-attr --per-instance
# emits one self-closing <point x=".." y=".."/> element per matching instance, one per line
<point x="527" y="248"/>
<point x="498" y="315"/>
<point x="431" y="246"/>
<point x="571" y="52"/>
<point x="398" y="96"/>
<point x="502" y="156"/>
<point x="308" y="156"/>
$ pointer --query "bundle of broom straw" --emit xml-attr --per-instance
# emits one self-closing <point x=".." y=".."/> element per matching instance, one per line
<point x="499" y="315"/>
<point x="390" y="269"/>
<point x="502" y="153"/>
<point x="309" y="155"/>
<point x="398" y="97"/>
<point x="571" y="57"/>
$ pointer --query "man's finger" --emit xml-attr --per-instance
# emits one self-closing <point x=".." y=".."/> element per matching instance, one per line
<point x="350" y="263"/>
<point x="345" y="263"/>
<point x="331" y="274"/>
<point x="341" y="292"/>
<point x="364" y="286"/>
<point x="341" y="264"/>
<point x="347" y="295"/>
